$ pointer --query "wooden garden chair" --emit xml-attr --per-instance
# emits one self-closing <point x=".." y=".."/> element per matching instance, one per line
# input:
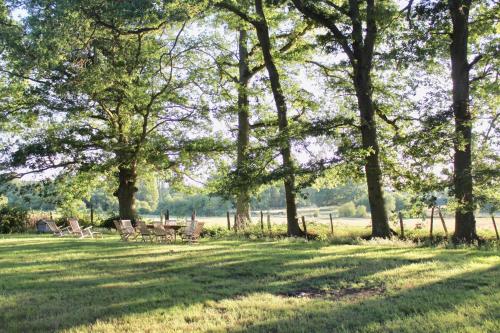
<point x="129" y="229"/>
<point x="56" y="230"/>
<point x="123" y="234"/>
<point x="188" y="230"/>
<point x="146" y="233"/>
<point x="75" y="229"/>
<point x="161" y="234"/>
<point x="193" y="232"/>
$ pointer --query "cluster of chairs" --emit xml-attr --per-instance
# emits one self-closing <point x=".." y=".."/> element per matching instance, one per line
<point x="157" y="232"/>
<point x="73" y="229"/>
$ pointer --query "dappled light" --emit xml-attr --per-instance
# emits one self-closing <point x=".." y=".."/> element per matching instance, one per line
<point x="304" y="166"/>
<point x="238" y="286"/>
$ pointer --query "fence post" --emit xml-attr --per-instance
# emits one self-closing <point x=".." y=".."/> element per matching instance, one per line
<point x="262" y="221"/>
<point x="442" y="221"/>
<point x="91" y="214"/>
<point x="400" y="215"/>
<point x="495" y="226"/>
<point x="167" y="216"/>
<point x="304" y="226"/>
<point x="432" y="221"/>
<point x="193" y="215"/>
<point x="331" y="224"/>
<point x="228" y="221"/>
<point x="269" y="222"/>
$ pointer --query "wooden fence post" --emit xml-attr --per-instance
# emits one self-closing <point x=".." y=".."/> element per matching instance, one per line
<point x="442" y="221"/>
<point x="167" y="215"/>
<point x="304" y="226"/>
<point x="432" y="221"/>
<point x="269" y="222"/>
<point x="228" y="221"/>
<point x="193" y="215"/>
<point x="400" y="215"/>
<point x="262" y="221"/>
<point x="91" y="214"/>
<point x="331" y="224"/>
<point x="495" y="226"/>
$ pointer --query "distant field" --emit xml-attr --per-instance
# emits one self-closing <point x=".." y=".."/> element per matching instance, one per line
<point x="483" y="223"/>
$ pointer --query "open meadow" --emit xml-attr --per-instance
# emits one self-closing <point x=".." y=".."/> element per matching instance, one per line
<point x="353" y="227"/>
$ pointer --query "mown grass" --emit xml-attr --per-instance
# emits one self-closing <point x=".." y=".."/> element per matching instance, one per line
<point x="69" y="285"/>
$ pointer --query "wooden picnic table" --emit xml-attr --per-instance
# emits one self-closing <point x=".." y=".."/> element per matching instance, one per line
<point x="174" y="227"/>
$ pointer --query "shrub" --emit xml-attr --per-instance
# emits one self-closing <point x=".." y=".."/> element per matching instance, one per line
<point x="215" y="232"/>
<point x="83" y="221"/>
<point x="108" y="223"/>
<point x="347" y="210"/>
<point x="13" y="219"/>
<point x="361" y="211"/>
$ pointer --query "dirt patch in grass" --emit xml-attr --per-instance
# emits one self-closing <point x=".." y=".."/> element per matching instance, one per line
<point x="338" y="294"/>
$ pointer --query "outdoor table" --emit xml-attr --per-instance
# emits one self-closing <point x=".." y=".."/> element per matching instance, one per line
<point x="174" y="227"/>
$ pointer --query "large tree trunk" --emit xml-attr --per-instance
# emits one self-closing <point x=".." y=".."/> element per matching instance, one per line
<point x="127" y="177"/>
<point x="465" y="224"/>
<point x="279" y="99"/>
<point x="243" y="199"/>
<point x="380" y="223"/>
<point x="359" y="50"/>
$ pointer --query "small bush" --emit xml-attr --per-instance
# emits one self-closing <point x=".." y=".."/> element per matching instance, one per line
<point x="109" y="222"/>
<point x="361" y="211"/>
<point x="82" y="221"/>
<point x="13" y="219"/>
<point x="215" y="232"/>
<point x="347" y="210"/>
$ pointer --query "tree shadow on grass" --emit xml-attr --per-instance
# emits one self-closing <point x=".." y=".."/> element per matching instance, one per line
<point x="392" y="313"/>
<point x="105" y="287"/>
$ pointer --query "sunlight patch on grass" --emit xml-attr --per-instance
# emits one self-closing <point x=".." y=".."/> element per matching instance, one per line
<point x="69" y="285"/>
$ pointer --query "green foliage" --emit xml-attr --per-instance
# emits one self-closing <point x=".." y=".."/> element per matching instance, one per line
<point x="216" y="232"/>
<point x="83" y="220"/>
<point x="109" y="87"/>
<point x="347" y="210"/>
<point x="204" y="205"/>
<point x="361" y="211"/>
<point x="147" y="195"/>
<point x="88" y="86"/>
<point x="338" y="195"/>
<point x="390" y="203"/>
<point x="12" y="219"/>
<point x="108" y="223"/>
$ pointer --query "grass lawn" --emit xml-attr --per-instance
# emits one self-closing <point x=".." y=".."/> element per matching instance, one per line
<point x="69" y="285"/>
